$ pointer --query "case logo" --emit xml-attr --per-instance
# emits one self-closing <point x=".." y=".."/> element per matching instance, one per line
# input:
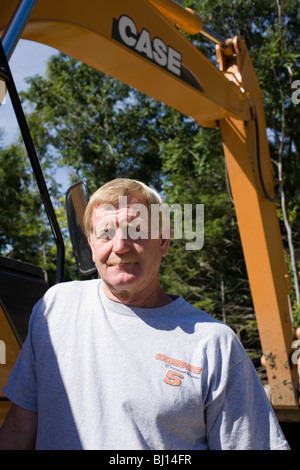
<point x="156" y="50"/>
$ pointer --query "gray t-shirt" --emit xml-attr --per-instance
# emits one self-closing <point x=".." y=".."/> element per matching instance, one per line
<point x="102" y="375"/>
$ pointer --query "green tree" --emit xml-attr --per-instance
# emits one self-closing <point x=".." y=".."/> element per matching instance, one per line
<point x="23" y="233"/>
<point x="270" y="29"/>
<point x="96" y="126"/>
<point x="214" y="278"/>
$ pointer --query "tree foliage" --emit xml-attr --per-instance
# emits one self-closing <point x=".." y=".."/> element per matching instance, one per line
<point x="18" y="202"/>
<point x="96" y="126"/>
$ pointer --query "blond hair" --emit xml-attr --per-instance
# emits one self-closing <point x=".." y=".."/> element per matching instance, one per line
<point x="110" y="193"/>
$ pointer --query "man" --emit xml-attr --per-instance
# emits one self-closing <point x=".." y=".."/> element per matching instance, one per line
<point x="117" y="363"/>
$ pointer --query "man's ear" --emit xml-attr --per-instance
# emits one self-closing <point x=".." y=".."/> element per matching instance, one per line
<point x="165" y="239"/>
<point x="164" y="244"/>
<point x="92" y="247"/>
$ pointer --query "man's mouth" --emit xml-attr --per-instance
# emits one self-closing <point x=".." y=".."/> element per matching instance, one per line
<point x="119" y="261"/>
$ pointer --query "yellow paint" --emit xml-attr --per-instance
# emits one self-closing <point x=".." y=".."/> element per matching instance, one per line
<point x="12" y="350"/>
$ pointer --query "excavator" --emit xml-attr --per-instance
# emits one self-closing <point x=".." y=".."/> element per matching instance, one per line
<point x="143" y="44"/>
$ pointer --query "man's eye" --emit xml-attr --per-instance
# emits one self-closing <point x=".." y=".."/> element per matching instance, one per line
<point x="141" y="230"/>
<point x="106" y="234"/>
<point x="136" y="231"/>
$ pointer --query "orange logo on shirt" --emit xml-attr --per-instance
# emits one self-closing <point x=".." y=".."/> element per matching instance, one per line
<point x="174" y="376"/>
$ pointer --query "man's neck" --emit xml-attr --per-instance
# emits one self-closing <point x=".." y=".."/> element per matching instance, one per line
<point x="142" y="300"/>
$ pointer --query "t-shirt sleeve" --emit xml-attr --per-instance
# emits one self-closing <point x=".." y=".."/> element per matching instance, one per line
<point x="241" y="417"/>
<point x="21" y="386"/>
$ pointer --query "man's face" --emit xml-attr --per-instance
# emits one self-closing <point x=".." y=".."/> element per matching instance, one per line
<point x="126" y="256"/>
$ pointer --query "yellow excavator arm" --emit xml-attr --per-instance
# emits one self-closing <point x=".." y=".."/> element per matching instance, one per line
<point x="140" y="43"/>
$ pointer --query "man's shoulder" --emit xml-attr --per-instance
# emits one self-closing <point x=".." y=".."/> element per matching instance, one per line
<point x="66" y="292"/>
<point x="72" y="286"/>
<point x="216" y="332"/>
<point x="203" y="317"/>
<point x="63" y="298"/>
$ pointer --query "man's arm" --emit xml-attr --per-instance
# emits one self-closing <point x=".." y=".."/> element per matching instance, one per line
<point x="19" y="430"/>
<point x="241" y="418"/>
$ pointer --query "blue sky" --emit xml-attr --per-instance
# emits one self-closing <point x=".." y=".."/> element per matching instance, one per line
<point x="29" y="58"/>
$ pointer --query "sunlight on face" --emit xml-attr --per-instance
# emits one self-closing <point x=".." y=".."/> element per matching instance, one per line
<point x="126" y="256"/>
<point x="132" y="222"/>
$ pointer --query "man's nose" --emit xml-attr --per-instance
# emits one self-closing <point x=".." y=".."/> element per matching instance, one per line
<point x="121" y="243"/>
